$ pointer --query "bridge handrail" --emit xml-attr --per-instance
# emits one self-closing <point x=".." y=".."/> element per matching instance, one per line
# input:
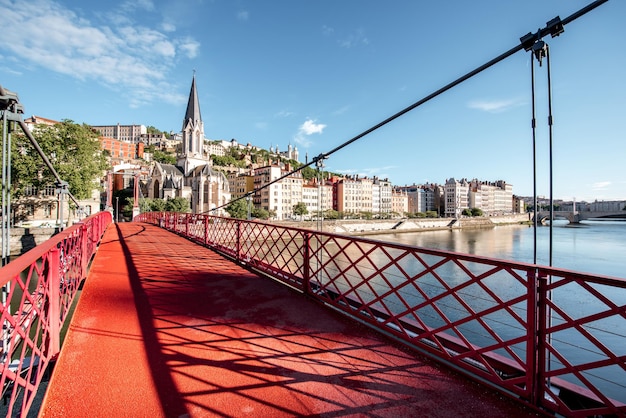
<point x="549" y="337"/>
<point x="39" y="288"/>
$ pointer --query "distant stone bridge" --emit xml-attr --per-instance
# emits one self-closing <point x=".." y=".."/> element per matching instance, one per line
<point x="576" y="217"/>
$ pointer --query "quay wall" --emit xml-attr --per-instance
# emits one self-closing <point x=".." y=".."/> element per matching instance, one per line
<point x="24" y="239"/>
<point x="363" y="227"/>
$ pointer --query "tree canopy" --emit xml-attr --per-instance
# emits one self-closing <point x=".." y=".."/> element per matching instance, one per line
<point x="238" y="209"/>
<point x="73" y="150"/>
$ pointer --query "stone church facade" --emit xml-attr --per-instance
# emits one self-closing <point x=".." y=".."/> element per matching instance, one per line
<point x="193" y="177"/>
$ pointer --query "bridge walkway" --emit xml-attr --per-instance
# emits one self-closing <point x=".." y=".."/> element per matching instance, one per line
<point x="168" y="328"/>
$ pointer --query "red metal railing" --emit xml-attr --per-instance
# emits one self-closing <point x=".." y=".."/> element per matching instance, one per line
<point x="552" y="338"/>
<point x="38" y="290"/>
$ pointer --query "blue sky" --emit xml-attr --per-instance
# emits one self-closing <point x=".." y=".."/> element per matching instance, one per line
<point x="315" y="74"/>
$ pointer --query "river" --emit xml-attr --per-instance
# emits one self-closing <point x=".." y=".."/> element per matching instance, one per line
<point x="597" y="247"/>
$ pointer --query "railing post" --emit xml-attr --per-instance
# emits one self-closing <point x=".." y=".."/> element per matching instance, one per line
<point x="238" y="240"/>
<point x="542" y="337"/>
<point x="53" y="345"/>
<point x="531" y="336"/>
<point x="206" y="229"/>
<point x="84" y="249"/>
<point x="307" y="264"/>
<point x="187" y="220"/>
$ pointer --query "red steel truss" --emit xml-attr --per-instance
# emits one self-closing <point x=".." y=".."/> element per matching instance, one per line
<point x="552" y="338"/>
<point x="38" y="290"/>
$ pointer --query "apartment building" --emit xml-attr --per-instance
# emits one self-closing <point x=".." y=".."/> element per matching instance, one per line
<point x="353" y="195"/>
<point x="240" y="183"/>
<point x="381" y="197"/>
<point x="121" y="149"/>
<point x="456" y="193"/>
<point x="491" y="197"/>
<point x="127" y="133"/>
<point x="279" y="197"/>
<point x="317" y="197"/>
<point x="38" y="120"/>
<point x="399" y="202"/>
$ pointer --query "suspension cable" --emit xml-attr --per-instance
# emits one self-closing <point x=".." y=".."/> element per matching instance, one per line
<point x="554" y="28"/>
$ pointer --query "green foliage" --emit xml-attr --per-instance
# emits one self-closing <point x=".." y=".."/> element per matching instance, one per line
<point x="154" y="131"/>
<point x="472" y="212"/>
<point x="261" y="213"/>
<point x="73" y="150"/>
<point x="227" y="161"/>
<point x="238" y="209"/>
<point x="332" y="214"/>
<point x="431" y="214"/>
<point x="309" y="173"/>
<point x="177" y="204"/>
<point x="300" y="209"/>
<point x="163" y="157"/>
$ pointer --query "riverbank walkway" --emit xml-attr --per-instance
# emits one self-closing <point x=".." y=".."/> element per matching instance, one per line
<point x="168" y="328"/>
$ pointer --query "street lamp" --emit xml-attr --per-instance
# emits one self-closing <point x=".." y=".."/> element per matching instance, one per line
<point x="117" y="208"/>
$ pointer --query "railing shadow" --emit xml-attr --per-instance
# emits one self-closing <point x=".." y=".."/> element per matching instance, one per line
<point x="221" y="340"/>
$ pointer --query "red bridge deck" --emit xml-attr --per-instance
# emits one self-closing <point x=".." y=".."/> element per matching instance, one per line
<point x="165" y="327"/>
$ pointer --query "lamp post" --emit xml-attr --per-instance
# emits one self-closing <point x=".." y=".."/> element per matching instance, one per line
<point x="117" y="208"/>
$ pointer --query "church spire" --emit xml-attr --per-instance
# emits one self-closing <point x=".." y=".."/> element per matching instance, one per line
<point x="192" y="152"/>
<point x="193" y="105"/>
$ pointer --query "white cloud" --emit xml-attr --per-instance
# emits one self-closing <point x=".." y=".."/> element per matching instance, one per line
<point x="168" y="27"/>
<point x="283" y="114"/>
<point x="243" y="15"/>
<point x="601" y="185"/>
<point x="495" y="106"/>
<point x="356" y="38"/>
<point x="121" y="53"/>
<point x="189" y="47"/>
<point x="308" y="128"/>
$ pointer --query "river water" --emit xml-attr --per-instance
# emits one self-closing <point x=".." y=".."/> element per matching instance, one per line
<point x="597" y="247"/>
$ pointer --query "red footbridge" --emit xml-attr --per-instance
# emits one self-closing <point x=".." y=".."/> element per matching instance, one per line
<point x="181" y="315"/>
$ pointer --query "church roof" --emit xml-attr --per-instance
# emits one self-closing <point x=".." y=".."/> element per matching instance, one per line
<point x="193" y="105"/>
<point x="171" y="169"/>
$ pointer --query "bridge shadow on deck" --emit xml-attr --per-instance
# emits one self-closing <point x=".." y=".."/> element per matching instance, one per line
<point x="166" y="327"/>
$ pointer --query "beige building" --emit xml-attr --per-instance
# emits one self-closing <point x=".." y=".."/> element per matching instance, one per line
<point x="399" y="203"/>
<point x="127" y="133"/>
<point x="353" y="195"/>
<point x="280" y="197"/>
<point x="317" y="197"/>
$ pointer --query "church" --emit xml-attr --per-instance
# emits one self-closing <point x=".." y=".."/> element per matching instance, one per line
<point x="193" y="176"/>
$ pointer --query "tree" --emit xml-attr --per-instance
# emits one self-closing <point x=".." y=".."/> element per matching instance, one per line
<point x="163" y="157"/>
<point x="300" y="209"/>
<point x="264" y="214"/>
<point x="477" y="212"/>
<point x="177" y="204"/>
<point x="238" y="209"/>
<point x="157" y="205"/>
<point x="73" y="150"/>
<point x="154" y="131"/>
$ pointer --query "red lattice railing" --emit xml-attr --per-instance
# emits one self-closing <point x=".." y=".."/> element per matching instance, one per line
<point x="551" y="338"/>
<point x="38" y="290"/>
